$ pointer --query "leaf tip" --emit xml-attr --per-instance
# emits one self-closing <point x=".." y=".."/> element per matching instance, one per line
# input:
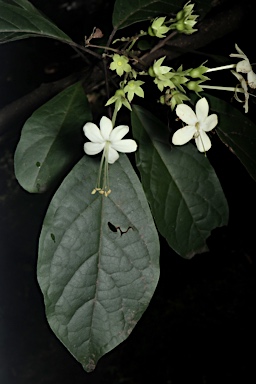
<point x="90" y="365"/>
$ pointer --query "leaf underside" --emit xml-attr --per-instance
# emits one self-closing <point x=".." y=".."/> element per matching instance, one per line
<point x="98" y="261"/>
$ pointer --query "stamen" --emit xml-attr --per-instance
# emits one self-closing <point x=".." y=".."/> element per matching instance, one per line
<point x="104" y="180"/>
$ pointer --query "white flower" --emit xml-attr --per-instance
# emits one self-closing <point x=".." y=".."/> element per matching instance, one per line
<point x="244" y="66"/>
<point x="198" y="124"/>
<point x="110" y="141"/>
<point x="244" y="89"/>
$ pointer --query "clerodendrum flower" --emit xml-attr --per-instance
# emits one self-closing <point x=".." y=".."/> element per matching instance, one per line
<point x="245" y="90"/>
<point x="198" y="124"/>
<point x="162" y="74"/>
<point x="158" y="28"/>
<point x="120" y="64"/>
<point x="111" y="142"/>
<point x="134" y="88"/>
<point x="244" y="66"/>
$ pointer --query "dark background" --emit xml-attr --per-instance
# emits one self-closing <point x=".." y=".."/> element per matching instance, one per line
<point x="200" y="324"/>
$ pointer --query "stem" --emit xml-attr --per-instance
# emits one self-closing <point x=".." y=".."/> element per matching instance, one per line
<point x="111" y="37"/>
<point x="114" y="116"/>
<point x="103" y="47"/>
<point x="84" y="58"/>
<point x="73" y="44"/>
<point x="160" y="44"/>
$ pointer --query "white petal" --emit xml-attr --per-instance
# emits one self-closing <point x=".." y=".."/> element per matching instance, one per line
<point x="92" y="132"/>
<point x="202" y="109"/>
<point x="186" y="114"/>
<point x="105" y="127"/>
<point x="112" y="155"/>
<point x="203" y="142"/>
<point x="183" y="135"/>
<point x="240" y="50"/>
<point x="209" y="123"/>
<point x="243" y="66"/>
<point x="118" y="133"/>
<point x="125" y="145"/>
<point x="251" y="78"/>
<point x="236" y="55"/>
<point x="93" y="148"/>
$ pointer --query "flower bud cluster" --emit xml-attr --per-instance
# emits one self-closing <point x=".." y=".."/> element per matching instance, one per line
<point x="174" y="81"/>
<point x="185" y="20"/>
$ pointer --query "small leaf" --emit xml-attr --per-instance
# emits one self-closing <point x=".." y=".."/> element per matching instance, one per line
<point x="237" y="131"/>
<point x="97" y="282"/>
<point x="19" y="19"/>
<point x="51" y="140"/>
<point x="182" y="188"/>
<point x="129" y="12"/>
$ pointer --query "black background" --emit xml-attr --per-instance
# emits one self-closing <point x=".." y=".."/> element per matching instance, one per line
<point x="200" y="324"/>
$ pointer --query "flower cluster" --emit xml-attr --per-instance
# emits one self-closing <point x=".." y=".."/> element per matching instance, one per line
<point x="185" y="20"/>
<point x="174" y="81"/>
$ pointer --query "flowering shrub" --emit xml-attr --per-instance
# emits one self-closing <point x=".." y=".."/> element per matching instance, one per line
<point x="98" y="281"/>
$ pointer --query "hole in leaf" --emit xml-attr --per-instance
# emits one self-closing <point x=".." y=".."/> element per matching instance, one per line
<point x="113" y="228"/>
<point x="38" y="164"/>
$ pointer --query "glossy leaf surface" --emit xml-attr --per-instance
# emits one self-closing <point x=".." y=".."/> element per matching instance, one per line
<point x="182" y="188"/>
<point x="19" y="19"/>
<point x="51" y="140"/>
<point x="130" y="12"/>
<point x="237" y="131"/>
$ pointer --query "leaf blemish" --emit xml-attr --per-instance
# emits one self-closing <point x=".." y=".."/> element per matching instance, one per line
<point x="53" y="237"/>
<point x="113" y="228"/>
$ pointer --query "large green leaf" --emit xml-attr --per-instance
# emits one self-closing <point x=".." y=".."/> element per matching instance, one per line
<point x="237" y="131"/>
<point x="19" y="19"/>
<point x="98" y="261"/>
<point x="183" y="190"/>
<point x="51" y="139"/>
<point x="132" y="11"/>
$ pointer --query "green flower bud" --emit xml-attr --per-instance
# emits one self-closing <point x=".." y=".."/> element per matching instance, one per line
<point x="194" y="86"/>
<point x="151" y="72"/>
<point x="180" y="15"/>
<point x="180" y="26"/>
<point x="162" y="99"/>
<point x="150" y="31"/>
<point x="198" y="73"/>
<point x="120" y="93"/>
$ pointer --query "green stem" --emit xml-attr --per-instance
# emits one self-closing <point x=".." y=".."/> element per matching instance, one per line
<point x="103" y="47"/>
<point x="114" y="116"/>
